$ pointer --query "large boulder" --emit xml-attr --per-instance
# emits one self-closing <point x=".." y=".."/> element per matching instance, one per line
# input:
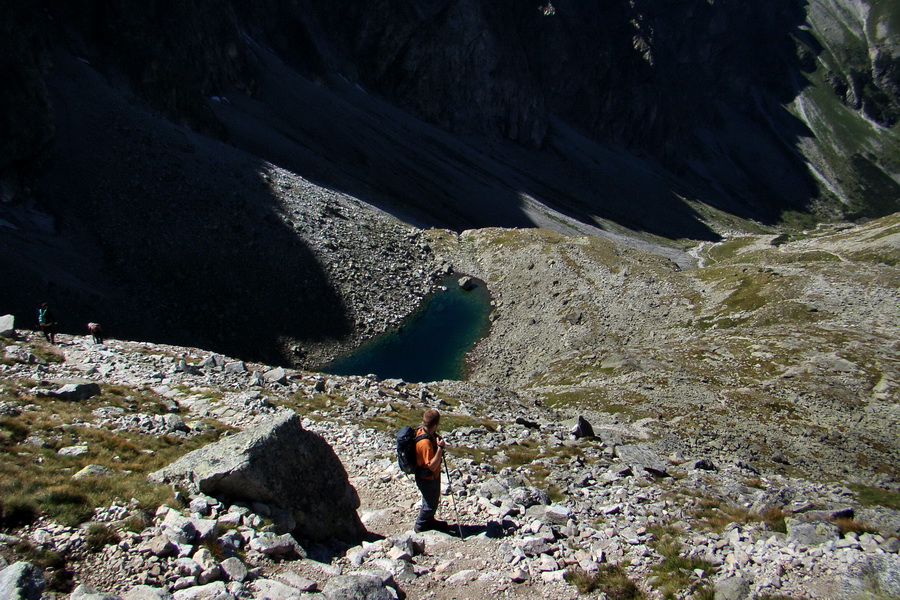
<point x="279" y="463"/>
<point x="875" y="576"/>
<point x="356" y="587"/>
<point x="640" y="456"/>
<point x="21" y="581"/>
<point x="7" y="326"/>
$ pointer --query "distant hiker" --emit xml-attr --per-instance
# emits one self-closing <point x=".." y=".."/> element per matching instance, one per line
<point x="429" y="454"/>
<point x="47" y="322"/>
<point x="96" y="332"/>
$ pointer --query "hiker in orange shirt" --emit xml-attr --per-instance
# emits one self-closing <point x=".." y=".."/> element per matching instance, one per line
<point x="429" y="455"/>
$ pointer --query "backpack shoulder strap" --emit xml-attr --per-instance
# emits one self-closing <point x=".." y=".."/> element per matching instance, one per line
<point x="422" y="436"/>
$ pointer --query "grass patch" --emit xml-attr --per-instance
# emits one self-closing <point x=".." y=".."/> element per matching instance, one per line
<point x="48" y="353"/>
<point x="818" y="256"/>
<point x="728" y="250"/>
<point x="774" y="519"/>
<point x="36" y="480"/>
<point x="57" y="575"/>
<point x="715" y="516"/>
<point x="99" y="536"/>
<point x="313" y="406"/>
<point x="675" y="572"/>
<point x="874" y="496"/>
<point x="611" y="580"/>
<point x="848" y="525"/>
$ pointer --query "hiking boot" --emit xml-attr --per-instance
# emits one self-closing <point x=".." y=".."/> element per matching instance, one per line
<point x="434" y="525"/>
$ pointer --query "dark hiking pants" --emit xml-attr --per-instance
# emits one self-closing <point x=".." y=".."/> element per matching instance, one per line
<point x="431" y="495"/>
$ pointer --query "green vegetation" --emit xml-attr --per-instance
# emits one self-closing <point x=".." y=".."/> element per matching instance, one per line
<point x="847" y="525"/>
<point x="874" y="496"/>
<point x="47" y="353"/>
<point x="611" y="580"/>
<point x="99" y="536"/>
<point x="728" y="250"/>
<point x="35" y="479"/>
<point x="675" y="572"/>
<point x="715" y="515"/>
<point x="313" y="406"/>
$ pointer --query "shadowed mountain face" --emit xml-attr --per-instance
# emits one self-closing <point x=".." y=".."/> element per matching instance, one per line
<point x="133" y="134"/>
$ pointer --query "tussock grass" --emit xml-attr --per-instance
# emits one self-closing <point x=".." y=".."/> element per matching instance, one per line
<point x="48" y="353"/>
<point x="847" y="525"/>
<point x="99" y="536"/>
<point x="312" y="407"/>
<point x="874" y="496"/>
<point x="675" y="572"/>
<point x="714" y="515"/>
<point x="35" y="479"/>
<point x="611" y="580"/>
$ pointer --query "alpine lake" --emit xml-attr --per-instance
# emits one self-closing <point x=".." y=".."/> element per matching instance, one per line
<point x="430" y="345"/>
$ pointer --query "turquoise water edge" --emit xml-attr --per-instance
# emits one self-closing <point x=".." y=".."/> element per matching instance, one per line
<point x="431" y="345"/>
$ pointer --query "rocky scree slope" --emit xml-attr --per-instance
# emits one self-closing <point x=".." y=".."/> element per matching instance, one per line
<point x="780" y="349"/>
<point x="535" y="499"/>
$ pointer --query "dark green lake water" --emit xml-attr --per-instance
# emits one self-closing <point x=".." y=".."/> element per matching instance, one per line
<point x="432" y="343"/>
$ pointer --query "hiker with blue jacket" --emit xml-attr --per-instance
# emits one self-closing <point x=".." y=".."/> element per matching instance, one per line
<point x="47" y="323"/>
<point x="429" y="456"/>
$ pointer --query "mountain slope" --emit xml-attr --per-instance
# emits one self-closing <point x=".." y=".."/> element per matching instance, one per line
<point x="136" y="133"/>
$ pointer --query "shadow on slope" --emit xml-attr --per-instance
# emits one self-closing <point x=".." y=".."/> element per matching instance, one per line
<point x="346" y="139"/>
<point x="698" y="88"/>
<point x="162" y="234"/>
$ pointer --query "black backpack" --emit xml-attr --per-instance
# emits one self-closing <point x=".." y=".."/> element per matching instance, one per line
<point x="406" y="448"/>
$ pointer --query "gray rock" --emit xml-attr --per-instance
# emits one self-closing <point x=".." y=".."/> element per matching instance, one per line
<point x="874" y="577"/>
<point x="640" y="456"/>
<point x="73" y="450"/>
<point x="413" y="544"/>
<point x="283" y="520"/>
<point x="732" y="588"/>
<point x="236" y="367"/>
<point x="84" y="592"/>
<point x="704" y="464"/>
<point x="158" y="546"/>
<point x="17" y="353"/>
<point x="271" y="544"/>
<point x="21" y="581"/>
<point x="277" y="375"/>
<point x="582" y="429"/>
<point x="77" y="391"/>
<point x="206" y="528"/>
<point x="174" y="422"/>
<point x="210" y="591"/>
<point x="467" y="283"/>
<point x="178" y="528"/>
<point x="146" y="592"/>
<point x="528" y="496"/>
<point x="280" y="463"/>
<point x="234" y="569"/>
<point x="275" y="590"/>
<point x="7" y="325"/>
<point x="811" y="534"/>
<point x="92" y="471"/>
<point x="185" y="367"/>
<point x="773" y="499"/>
<point x="298" y="581"/>
<point x="557" y="515"/>
<point x="356" y="587"/>
<point x="187" y="567"/>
